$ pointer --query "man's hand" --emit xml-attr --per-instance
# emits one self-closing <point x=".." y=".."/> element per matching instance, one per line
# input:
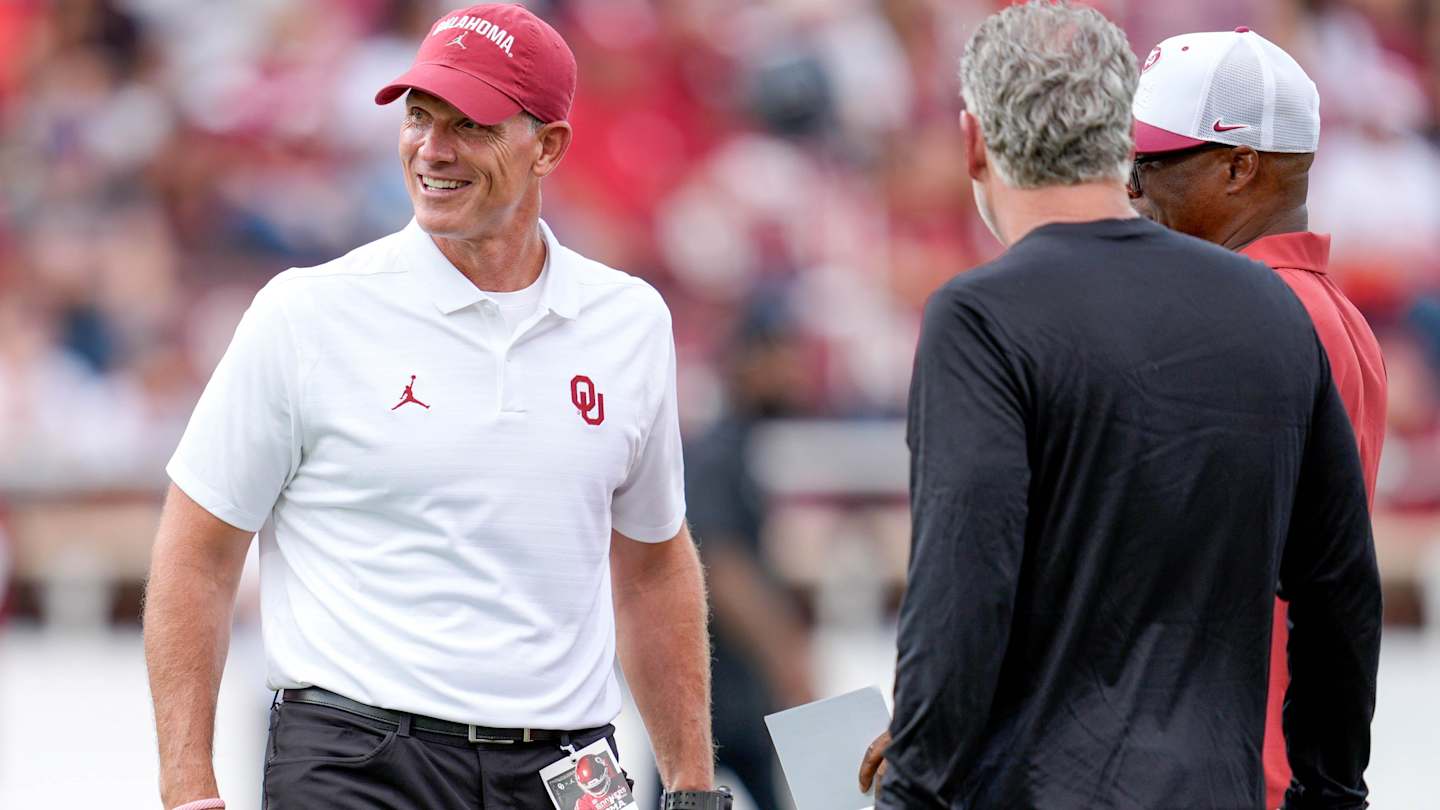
<point x="873" y="766"/>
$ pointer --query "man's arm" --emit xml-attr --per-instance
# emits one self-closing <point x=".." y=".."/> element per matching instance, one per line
<point x="1329" y="575"/>
<point x="194" y="571"/>
<point x="664" y="647"/>
<point x="969" y="485"/>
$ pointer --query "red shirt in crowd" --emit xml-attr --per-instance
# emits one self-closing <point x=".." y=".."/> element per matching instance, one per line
<point x="1359" y="371"/>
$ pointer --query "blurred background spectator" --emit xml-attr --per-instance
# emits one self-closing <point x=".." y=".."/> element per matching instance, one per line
<point x="762" y="652"/>
<point x="786" y="172"/>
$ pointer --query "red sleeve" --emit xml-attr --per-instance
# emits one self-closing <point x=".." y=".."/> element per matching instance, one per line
<point x="1355" y="361"/>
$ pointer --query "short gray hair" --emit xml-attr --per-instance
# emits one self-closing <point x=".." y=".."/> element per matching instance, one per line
<point x="1052" y="87"/>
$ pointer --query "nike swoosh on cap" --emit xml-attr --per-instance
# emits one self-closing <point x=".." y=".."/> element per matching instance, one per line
<point x="1219" y="127"/>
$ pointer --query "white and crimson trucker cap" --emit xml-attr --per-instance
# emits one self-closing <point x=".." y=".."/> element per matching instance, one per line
<point x="1231" y="87"/>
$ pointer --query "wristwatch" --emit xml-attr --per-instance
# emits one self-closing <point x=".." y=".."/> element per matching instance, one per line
<point x="717" y="799"/>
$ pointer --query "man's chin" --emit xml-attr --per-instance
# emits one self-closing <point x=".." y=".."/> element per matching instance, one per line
<point x="444" y="224"/>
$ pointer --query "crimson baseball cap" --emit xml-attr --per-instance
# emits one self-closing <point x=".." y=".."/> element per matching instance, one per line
<point x="1230" y="87"/>
<point x="490" y="62"/>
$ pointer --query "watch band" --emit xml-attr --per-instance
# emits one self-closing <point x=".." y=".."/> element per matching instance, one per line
<point x="717" y="799"/>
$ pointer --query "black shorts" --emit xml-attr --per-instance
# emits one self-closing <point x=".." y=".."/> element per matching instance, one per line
<point x="321" y="757"/>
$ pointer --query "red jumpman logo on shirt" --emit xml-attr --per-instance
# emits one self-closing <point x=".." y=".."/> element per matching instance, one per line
<point x="409" y="395"/>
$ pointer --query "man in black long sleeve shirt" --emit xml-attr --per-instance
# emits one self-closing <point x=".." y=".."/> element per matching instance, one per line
<point x="1122" y="439"/>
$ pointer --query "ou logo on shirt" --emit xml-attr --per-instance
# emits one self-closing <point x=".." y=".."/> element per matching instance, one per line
<point x="587" y="400"/>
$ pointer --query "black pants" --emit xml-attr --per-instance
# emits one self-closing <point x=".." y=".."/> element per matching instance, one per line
<point x="320" y="757"/>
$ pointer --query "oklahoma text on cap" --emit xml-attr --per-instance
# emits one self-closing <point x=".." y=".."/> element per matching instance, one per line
<point x="490" y="62"/>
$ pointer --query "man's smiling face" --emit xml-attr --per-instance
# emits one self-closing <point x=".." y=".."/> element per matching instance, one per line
<point x="465" y="178"/>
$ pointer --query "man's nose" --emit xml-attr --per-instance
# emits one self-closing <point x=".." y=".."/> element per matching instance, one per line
<point x="436" y="147"/>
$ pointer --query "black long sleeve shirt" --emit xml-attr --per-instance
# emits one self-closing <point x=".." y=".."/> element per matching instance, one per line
<point x="1123" y="440"/>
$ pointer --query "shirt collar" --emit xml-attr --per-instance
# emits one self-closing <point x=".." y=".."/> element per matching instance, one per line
<point x="451" y="291"/>
<point x="562" y="292"/>
<point x="1301" y="250"/>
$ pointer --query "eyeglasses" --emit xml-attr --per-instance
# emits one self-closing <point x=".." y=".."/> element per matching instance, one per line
<point x="1133" y="184"/>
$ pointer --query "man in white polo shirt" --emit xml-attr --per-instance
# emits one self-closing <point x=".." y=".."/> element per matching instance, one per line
<point x="459" y="446"/>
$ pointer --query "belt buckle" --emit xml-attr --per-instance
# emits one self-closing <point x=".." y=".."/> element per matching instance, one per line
<point x="475" y="738"/>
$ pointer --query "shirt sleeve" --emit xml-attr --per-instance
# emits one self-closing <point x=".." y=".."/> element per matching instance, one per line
<point x="243" y="441"/>
<point x="1329" y="575"/>
<point x="970" y="478"/>
<point x="650" y="505"/>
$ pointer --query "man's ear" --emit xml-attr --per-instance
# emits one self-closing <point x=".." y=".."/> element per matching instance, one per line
<point x="1243" y="169"/>
<point x="552" y="142"/>
<point x="976" y="162"/>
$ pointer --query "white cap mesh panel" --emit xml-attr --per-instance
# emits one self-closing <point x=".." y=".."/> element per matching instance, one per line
<point x="1296" y="108"/>
<point x="1235" y="98"/>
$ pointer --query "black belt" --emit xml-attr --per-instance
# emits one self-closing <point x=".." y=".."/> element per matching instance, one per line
<point x="475" y="734"/>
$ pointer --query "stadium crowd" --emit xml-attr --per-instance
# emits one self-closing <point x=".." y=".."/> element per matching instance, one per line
<point x="163" y="158"/>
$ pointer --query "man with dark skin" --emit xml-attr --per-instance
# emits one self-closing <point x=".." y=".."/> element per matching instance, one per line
<point x="1229" y="195"/>
<point x="761" y="652"/>
<point x="1233" y="182"/>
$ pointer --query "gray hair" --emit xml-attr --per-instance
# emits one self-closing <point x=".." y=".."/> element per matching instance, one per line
<point x="1052" y="87"/>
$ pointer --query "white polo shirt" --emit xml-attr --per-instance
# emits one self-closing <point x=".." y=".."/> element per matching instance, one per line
<point x="442" y="546"/>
